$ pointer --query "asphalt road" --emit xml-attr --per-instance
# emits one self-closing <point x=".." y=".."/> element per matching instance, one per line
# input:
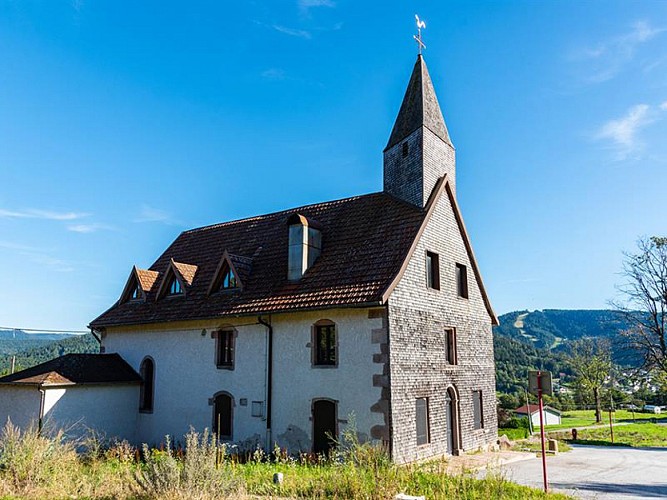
<point x="599" y="472"/>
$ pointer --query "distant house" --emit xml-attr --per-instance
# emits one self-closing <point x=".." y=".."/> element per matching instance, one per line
<point x="551" y="415"/>
<point x="74" y="392"/>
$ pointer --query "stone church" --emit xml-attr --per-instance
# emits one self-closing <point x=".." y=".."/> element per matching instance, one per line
<point x="282" y="328"/>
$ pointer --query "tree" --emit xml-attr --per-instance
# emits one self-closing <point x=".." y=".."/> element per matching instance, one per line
<point x="645" y="305"/>
<point x="591" y="360"/>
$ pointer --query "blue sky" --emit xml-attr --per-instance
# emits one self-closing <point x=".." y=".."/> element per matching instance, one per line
<point x="124" y="123"/>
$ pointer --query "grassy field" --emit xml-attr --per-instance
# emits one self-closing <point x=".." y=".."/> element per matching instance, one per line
<point x="585" y="418"/>
<point x="34" y="467"/>
<point x="637" y="435"/>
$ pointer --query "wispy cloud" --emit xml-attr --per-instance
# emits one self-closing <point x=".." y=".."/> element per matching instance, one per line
<point x="9" y="245"/>
<point x="624" y="132"/>
<point x="306" y="5"/>
<point x="54" y="263"/>
<point x="608" y="58"/>
<point x="33" y="213"/>
<point x="89" y="228"/>
<point x="152" y="214"/>
<point x="274" y="74"/>
<point x="292" y="31"/>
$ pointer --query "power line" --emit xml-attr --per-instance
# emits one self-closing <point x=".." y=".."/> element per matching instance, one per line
<point x="41" y="330"/>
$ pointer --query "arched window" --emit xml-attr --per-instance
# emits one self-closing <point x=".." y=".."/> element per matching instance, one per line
<point x="175" y="287"/>
<point x="228" y="278"/>
<point x="223" y="407"/>
<point x="147" y="372"/>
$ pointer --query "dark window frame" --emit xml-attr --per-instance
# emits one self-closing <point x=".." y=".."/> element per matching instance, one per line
<point x="462" y="281"/>
<point x="405" y="149"/>
<point x="225" y="348"/>
<point x="478" y="410"/>
<point x="451" y="346"/>
<point x="147" y="391"/>
<point x="432" y="270"/>
<point x="324" y="356"/>
<point x="422" y="411"/>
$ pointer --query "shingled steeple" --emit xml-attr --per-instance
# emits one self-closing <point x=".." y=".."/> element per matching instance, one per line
<point x="419" y="150"/>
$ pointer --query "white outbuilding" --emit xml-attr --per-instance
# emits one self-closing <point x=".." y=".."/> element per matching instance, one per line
<point x="551" y="416"/>
<point x="76" y="393"/>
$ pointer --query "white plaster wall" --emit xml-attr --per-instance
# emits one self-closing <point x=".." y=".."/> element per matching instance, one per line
<point x="110" y="410"/>
<point x="297" y="382"/>
<point x="20" y="404"/>
<point x="186" y="376"/>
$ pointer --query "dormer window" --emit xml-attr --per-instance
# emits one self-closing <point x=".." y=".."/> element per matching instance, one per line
<point x="228" y="278"/>
<point x="138" y="284"/>
<point x="231" y="272"/>
<point x="175" y="287"/>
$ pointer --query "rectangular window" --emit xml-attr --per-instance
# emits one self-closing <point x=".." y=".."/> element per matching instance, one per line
<point x="478" y="413"/>
<point x="450" y="345"/>
<point x="433" y="270"/>
<point x="462" y="280"/>
<point x="225" y="349"/>
<point x="421" y="418"/>
<point x="325" y="345"/>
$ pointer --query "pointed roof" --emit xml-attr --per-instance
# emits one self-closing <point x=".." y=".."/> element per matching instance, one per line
<point x="419" y="108"/>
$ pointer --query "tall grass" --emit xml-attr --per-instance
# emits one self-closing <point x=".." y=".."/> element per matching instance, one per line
<point x="38" y="467"/>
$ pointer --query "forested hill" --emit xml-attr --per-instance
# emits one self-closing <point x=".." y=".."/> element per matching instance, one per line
<point x="36" y="352"/>
<point x="550" y="328"/>
<point x="540" y="340"/>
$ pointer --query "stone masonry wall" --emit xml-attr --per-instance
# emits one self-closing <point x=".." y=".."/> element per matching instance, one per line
<point x="417" y="318"/>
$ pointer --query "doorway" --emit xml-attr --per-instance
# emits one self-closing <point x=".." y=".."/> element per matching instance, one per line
<point x="325" y="430"/>
<point x="452" y="410"/>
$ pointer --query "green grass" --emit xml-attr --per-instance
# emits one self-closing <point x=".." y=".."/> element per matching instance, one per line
<point x="585" y="418"/>
<point x="637" y="435"/>
<point x="37" y="467"/>
<point x="514" y="434"/>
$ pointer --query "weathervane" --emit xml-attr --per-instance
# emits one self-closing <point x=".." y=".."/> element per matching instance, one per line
<point x="418" y="37"/>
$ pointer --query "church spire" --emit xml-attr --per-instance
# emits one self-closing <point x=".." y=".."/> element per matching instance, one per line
<point x="419" y="108"/>
<point x="419" y="151"/>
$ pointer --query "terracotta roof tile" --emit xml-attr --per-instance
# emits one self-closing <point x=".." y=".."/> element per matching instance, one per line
<point x="187" y="271"/>
<point x="147" y="279"/>
<point x="364" y="242"/>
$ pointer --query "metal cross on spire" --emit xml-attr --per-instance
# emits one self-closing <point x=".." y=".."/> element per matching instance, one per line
<point x="418" y="37"/>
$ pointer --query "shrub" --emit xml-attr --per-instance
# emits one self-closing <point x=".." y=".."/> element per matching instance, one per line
<point x="202" y="473"/>
<point x="30" y="461"/>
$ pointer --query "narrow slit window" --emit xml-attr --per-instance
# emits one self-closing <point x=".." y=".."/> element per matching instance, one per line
<point x="421" y="419"/>
<point x="147" y="372"/>
<point x="136" y="292"/>
<point x="325" y="345"/>
<point x="462" y="280"/>
<point x="477" y="409"/>
<point x="433" y="270"/>
<point x="450" y="345"/>
<point x="405" y="149"/>
<point x="225" y="349"/>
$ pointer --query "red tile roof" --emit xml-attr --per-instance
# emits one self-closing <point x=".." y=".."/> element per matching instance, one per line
<point x="72" y="369"/>
<point x="146" y="278"/>
<point x="533" y="408"/>
<point x="365" y="240"/>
